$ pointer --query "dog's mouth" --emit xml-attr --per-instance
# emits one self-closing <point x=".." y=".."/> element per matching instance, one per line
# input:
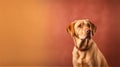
<point x="85" y="36"/>
<point x="84" y="44"/>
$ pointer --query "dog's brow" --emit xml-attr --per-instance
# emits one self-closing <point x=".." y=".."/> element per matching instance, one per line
<point x="82" y="23"/>
<point x="88" y="24"/>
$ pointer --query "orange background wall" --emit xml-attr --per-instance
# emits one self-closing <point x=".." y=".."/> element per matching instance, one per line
<point x="33" y="32"/>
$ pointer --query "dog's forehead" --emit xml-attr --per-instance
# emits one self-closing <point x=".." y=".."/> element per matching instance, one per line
<point x="78" y="22"/>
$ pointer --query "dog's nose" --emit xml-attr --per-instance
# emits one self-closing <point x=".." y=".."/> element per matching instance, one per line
<point x="88" y="31"/>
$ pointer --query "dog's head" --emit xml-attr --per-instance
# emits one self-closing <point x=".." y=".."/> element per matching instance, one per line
<point x="81" y="29"/>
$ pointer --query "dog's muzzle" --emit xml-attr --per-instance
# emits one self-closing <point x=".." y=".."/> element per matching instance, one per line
<point x="88" y="34"/>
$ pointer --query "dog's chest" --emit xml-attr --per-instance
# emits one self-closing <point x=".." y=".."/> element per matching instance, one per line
<point x="82" y="58"/>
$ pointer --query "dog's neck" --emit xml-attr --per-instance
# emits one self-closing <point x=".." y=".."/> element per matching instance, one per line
<point x="83" y="45"/>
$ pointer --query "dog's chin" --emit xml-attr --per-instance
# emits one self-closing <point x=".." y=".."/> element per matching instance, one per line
<point x="84" y="37"/>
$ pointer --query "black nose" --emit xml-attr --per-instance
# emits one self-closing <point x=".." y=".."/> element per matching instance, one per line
<point x="88" y="31"/>
<point x="89" y="34"/>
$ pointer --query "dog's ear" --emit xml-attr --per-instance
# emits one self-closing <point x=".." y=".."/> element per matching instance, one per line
<point x="70" y="29"/>
<point x="93" y="27"/>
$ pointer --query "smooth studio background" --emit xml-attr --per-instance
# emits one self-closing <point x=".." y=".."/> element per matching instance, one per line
<point x="33" y="32"/>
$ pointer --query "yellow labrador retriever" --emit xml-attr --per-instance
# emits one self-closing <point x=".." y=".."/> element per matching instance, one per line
<point x="85" y="52"/>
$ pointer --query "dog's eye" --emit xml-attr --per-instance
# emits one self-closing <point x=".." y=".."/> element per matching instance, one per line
<point x="88" y="25"/>
<point x="80" y="25"/>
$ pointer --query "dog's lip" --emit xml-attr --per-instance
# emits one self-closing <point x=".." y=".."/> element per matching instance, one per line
<point x="84" y="37"/>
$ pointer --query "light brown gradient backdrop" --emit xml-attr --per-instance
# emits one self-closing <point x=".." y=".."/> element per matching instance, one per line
<point x="33" y="32"/>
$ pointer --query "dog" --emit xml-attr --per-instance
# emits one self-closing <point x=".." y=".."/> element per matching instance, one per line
<point x="85" y="52"/>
